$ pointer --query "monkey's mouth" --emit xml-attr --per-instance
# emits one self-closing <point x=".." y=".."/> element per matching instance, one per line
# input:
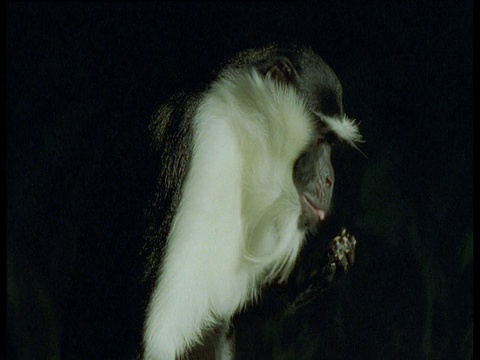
<point x="318" y="212"/>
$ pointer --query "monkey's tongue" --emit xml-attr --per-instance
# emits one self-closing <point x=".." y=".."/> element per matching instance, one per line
<point x="320" y="213"/>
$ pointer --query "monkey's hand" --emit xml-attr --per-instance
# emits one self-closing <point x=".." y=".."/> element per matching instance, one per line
<point x="341" y="254"/>
<point x="339" y="257"/>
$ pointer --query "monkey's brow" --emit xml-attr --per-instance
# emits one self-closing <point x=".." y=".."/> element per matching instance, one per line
<point x="326" y="136"/>
<point x="345" y="129"/>
<point x="330" y="136"/>
<point x="323" y="129"/>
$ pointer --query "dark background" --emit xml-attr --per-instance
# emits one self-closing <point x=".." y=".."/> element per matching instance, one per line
<point x="82" y="81"/>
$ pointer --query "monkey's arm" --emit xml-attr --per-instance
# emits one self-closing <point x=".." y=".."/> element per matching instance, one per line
<point x="335" y="260"/>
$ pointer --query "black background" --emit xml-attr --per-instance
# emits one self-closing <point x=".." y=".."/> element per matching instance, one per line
<point x="83" y="80"/>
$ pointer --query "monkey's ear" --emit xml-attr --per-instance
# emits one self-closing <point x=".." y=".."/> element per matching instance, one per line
<point x="282" y="71"/>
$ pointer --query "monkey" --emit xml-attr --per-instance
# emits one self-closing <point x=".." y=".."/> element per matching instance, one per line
<point x="246" y="173"/>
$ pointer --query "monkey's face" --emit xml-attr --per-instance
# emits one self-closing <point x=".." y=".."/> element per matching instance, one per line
<point x="315" y="83"/>
<point x="314" y="178"/>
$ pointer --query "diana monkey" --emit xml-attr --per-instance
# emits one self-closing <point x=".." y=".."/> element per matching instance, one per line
<point x="246" y="173"/>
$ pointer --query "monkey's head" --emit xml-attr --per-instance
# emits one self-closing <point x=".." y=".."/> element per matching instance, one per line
<point x="313" y="174"/>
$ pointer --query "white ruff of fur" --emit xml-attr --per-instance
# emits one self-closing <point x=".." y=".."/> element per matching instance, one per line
<point x="236" y="226"/>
